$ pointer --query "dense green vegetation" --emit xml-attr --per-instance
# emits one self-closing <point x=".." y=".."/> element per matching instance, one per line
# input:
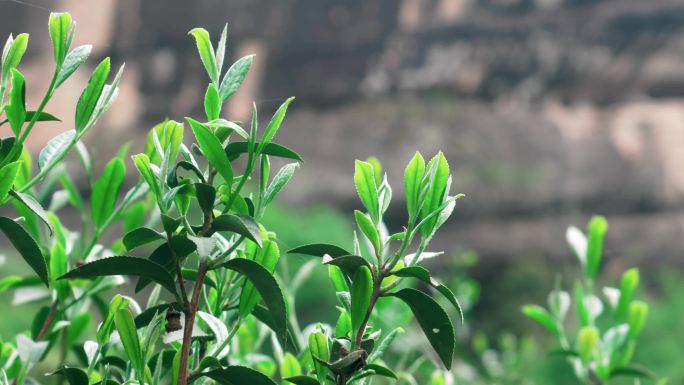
<point x="193" y="275"/>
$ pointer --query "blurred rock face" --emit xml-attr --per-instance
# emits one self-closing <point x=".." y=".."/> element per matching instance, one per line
<point x="548" y="110"/>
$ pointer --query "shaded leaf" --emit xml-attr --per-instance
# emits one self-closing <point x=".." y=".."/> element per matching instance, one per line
<point x="26" y="246"/>
<point x="140" y="236"/>
<point x="423" y="274"/>
<point x="434" y="321"/>
<point x="105" y="192"/>
<point x="238" y="224"/>
<point x="74" y="376"/>
<point x="132" y="266"/>
<point x="235" y="149"/>
<point x="319" y="250"/>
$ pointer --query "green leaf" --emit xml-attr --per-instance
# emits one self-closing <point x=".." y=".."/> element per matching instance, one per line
<point x="13" y="55"/>
<point x="302" y="380"/>
<point x="235" y="149"/>
<point x="238" y="224"/>
<point x="412" y="184"/>
<point x="368" y="229"/>
<point x="597" y="228"/>
<point x="318" y="348"/>
<point x="587" y="339"/>
<point x="59" y="264"/>
<point x="206" y="52"/>
<point x="60" y="27"/>
<point x="212" y="103"/>
<point x="279" y="181"/>
<point x="319" y="250"/>
<point x="423" y="274"/>
<point x="105" y="329"/>
<point x="238" y="375"/>
<point x="74" y="376"/>
<point x="73" y="60"/>
<point x="434" y="321"/>
<point x="142" y="163"/>
<point x="132" y="266"/>
<point x="290" y="366"/>
<point x="55" y="148"/>
<point x="267" y="256"/>
<point x="234" y="77"/>
<point x="361" y="292"/>
<point x="91" y="94"/>
<point x="33" y="206"/>
<point x="8" y="173"/>
<point x="274" y="125"/>
<point x="42" y="117"/>
<point x="26" y="246"/>
<point x="633" y="371"/>
<point x="348" y="263"/>
<point x="140" y="236"/>
<point x="105" y="192"/>
<point x="638" y="312"/>
<point x="628" y="287"/>
<point x="337" y="279"/>
<point x="364" y="180"/>
<point x="16" y="109"/>
<point x="381" y="370"/>
<point x="436" y="192"/>
<point x="384" y="344"/>
<point x="125" y="325"/>
<point x="267" y="287"/>
<point x="542" y="317"/>
<point x="212" y="150"/>
<point x="221" y="48"/>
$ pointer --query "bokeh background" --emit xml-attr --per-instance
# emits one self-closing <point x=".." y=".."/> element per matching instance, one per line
<point x="549" y="111"/>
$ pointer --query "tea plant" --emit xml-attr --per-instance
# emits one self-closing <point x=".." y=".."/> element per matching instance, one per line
<point x="376" y="269"/>
<point x="609" y="325"/>
<point x="38" y="235"/>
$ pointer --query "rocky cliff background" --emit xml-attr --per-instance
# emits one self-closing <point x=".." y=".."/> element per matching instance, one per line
<point x="549" y="111"/>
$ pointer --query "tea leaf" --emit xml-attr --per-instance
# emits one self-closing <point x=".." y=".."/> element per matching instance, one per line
<point x="16" y="109"/>
<point x="73" y="60"/>
<point x="235" y="149"/>
<point x="234" y="77"/>
<point x="274" y="125"/>
<point x="32" y="205"/>
<point x="238" y="375"/>
<point x="132" y="266"/>
<point x="60" y="26"/>
<point x="364" y="179"/>
<point x="587" y="339"/>
<point x="206" y="52"/>
<point x="436" y="192"/>
<point x="361" y="292"/>
<point x="221" y="48"/>
<point x="106" y="190"/>
<point x="267" y="287"/>
<point x="434" y="321"/>
<point x="319" y="250"/>
<point x="74" y="376"/>
<point x="105" y="329"/>
<point x="212" y="150"/>
<point x="628" y="287"/>
<point x="318" y="347"/>
<point x="302" y="380"/>
<point x="140" y="236"/>
<point x="290" y="366"/>
<point x="267" y="256"/>
<point x="142" y="163"/>
<point x="368" y="229"/>
<point x="423" y="274"/>
<point x="542" y="317"/>
<point x="125" y="325"/>
<point x="26" y="246"/>
<point x="91" y="94"/>
<point x="412" y="178"/>
<point x="13" y="54"/>
<point x="597" y="228"/>
<point x="238" y="224"/>
<point x="212" y="103"/>
<point x="279" y="181"/>
<point x="8" y="173"/>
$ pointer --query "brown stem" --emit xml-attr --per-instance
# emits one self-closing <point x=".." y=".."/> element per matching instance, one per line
<point x="190" y="323"/>
<point x="48" y="322"/>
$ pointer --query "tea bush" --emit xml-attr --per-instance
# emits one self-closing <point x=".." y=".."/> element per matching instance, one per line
<point x="216" y="308"/>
